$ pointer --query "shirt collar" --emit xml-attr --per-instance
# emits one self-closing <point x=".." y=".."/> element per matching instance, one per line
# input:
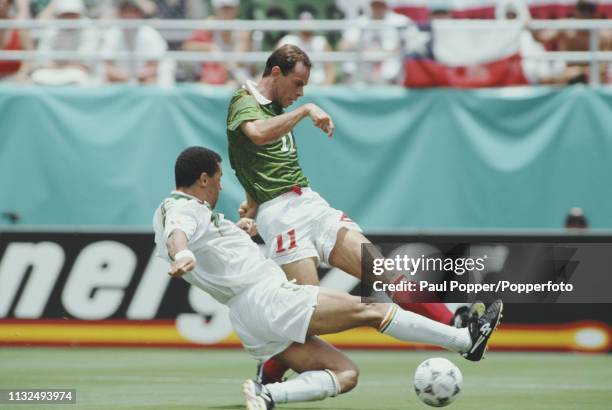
<point x="185" y="195"/>
<point x="216" y="218"/>
<point x="251" y="87"/>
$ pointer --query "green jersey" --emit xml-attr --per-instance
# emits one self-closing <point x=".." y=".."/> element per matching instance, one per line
<point x="265" y="171"/>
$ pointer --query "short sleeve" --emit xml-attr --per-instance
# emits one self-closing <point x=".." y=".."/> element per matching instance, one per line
<point x="246" y="108"/>
<point x="185" y="215"/>
<point x="151" y="42"/>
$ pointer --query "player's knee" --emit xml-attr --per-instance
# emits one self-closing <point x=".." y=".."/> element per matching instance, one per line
<point x="348" y="378"/>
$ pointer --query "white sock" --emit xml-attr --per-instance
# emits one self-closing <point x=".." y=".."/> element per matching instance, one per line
<point x="308" y="386"/>
<point x="410" y="327"/>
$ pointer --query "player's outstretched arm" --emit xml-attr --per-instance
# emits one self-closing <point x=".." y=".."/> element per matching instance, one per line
<point x="265" y="131"/>
<point x="321" y="120"/>
<point x="184" y="259"/>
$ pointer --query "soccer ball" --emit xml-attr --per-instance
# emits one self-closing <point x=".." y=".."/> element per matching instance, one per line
<point x="437" y="382"/>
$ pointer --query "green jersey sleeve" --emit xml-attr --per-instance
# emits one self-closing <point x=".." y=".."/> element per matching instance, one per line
<point x="243" y="109"/>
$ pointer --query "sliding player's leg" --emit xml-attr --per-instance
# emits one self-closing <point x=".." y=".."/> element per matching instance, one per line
<point x="324" y="371"/>
<point x="337" y="311"/>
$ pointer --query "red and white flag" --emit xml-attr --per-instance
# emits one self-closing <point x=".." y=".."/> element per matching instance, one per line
<point x="482" y="53"/>
<point x="418" y="10"/>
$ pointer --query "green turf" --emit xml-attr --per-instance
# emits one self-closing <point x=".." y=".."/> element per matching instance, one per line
<point x="211" y="379"/>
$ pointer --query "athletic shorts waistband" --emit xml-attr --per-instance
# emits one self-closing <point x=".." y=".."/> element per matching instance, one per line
<point x="284" y="196"/>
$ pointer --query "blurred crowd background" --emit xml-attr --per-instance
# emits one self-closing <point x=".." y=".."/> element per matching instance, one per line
<point x="415" y="35"/>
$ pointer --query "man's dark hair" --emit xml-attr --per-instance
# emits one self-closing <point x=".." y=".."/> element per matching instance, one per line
<point x="192" y="162"/>
<point x="586" y="7"/>
<point x="286" y="57"/>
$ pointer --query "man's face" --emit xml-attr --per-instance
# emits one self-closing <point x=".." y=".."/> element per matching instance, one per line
<point x="378" y="9"/>
<point x="290" y="87"/>
<point x="213" y="187"/>
<point x="131" y="13"/>
<point x="226" y="13"/>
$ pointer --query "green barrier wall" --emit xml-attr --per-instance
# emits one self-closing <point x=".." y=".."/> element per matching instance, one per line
<point x="508" y="158"/>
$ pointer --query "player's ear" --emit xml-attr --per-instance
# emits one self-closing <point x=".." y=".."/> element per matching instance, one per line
<point x="276" y="71"/>
<point x="203" y="179"/>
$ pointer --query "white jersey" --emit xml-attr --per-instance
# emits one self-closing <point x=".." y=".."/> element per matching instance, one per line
<point x="227" y="261"/>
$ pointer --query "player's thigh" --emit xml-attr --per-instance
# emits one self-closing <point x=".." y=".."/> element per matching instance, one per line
<point x="304" y="271"/>
<point x="316" y="354"/>
<point x="338" y="311"/>
<point x="346" y="253"/>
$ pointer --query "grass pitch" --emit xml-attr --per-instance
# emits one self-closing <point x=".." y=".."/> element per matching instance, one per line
<point x="211" y="379"/>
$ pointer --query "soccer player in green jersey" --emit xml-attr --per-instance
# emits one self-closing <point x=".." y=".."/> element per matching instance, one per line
<point x="299" y="227"/>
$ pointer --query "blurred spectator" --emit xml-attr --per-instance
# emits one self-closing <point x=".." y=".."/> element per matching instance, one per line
<point x="82" y="40"/>
<point x="237" y="41"/>
<point x="45" y="9"/>
<point x="144" y="40"/>
<point x="352" y="9"/>
<point x="13" y="40"/>
<point x="536" y="71"/>
<point x="578" y="40"/>
<point x="181" y="9"/>
<point x="576" y="219"/>
<point x="389" y="39"/>
<point x="320" y="73"/>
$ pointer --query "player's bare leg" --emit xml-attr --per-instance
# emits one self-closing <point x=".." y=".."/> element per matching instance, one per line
<point x="317" y="354"/>
<point x="346" y="255"/>
<point x="324" y="371"/>
<point x="338" y="311"/>
<point x="303" y="271"/>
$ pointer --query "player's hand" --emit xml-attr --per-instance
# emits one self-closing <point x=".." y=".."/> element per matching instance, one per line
<point x="321" y="119"/>
<point x="181" y="267"/>
<point x="247" y="211"/>
<point x="248" y="225"/>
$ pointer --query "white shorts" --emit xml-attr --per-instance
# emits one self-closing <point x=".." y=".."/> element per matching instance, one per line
<point x="271" y="315"/>
<point x="299" y="226"/>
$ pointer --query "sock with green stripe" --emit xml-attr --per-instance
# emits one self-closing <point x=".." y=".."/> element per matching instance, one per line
<point x="410" y="327"/>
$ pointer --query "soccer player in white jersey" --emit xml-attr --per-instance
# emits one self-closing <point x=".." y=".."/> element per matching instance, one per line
<point x="272" y="316"/>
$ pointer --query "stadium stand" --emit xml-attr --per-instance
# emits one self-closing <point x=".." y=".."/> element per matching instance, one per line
<point x="438" y="51"/>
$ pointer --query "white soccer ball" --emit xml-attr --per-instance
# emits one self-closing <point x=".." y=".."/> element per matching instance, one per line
<point x="437" y="382"/>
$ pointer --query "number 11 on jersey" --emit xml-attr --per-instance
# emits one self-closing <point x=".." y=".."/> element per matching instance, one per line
<point x="288" y="143"/>
<point x="292" y="241"/>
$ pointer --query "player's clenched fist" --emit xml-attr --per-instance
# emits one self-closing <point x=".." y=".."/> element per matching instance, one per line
<point x="247" y="210"/>
<point x="248" y="225"/>
<point x="321" y="119"/>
